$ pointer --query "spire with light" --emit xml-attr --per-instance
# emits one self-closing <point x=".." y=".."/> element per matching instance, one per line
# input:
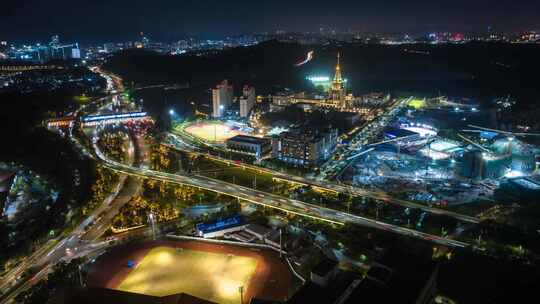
<point x="337" y="76"/>
<point x="337" y="83"/>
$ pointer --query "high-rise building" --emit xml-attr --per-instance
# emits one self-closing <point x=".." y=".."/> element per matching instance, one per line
<point x="76" y="52"/>
<point x="247" y="101"/>
<point x="337" y="90"/>
<point x="222" y="96"/>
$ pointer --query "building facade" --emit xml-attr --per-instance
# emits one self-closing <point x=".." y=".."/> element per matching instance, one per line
<point x="222" y="97"/>
<point x="251" y="145"/>
<point x="247" y="101"/>
<point x="305" y="147"/>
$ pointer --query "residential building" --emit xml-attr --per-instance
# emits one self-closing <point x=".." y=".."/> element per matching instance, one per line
<point x="247" y="101"/>
<point x="222" y="97"/>
<point x="305" y="146"/>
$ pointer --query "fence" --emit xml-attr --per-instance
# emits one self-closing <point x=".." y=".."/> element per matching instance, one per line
<point x="264" y="246"/>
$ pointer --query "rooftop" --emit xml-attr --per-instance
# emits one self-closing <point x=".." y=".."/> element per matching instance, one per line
<point x="221" y="224"/>
<point x="249" y="139"/>
<point x="258" y="229"/>
<point x="396" y="133"/>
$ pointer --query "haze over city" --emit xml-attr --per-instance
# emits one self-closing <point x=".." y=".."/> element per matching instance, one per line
<point x="99" y="21"/>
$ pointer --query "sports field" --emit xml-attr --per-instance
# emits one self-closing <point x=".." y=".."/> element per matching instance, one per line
<point x="211" y="276"/>
<point x="213" y="272"/>
<point x="213" y="132"/>
<point x="417" y="103"/>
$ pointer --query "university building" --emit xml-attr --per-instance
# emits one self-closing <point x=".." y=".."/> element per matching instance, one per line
<point x="305" y="146"/>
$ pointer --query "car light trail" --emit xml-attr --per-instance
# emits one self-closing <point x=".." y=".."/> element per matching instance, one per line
<point x="309" y="57"/>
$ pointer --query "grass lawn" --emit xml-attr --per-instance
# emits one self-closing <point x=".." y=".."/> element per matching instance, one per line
<point x="210" y="276"/>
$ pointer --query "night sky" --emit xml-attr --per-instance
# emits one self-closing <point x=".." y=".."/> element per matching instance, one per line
<point x="120" y="20"/>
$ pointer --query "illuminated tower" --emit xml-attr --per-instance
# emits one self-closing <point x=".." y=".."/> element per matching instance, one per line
<point x="337" y="91"/>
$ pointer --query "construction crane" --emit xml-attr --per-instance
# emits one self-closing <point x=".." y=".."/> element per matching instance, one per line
<point x="474" y="144"/>
<point x="512" y="134"/>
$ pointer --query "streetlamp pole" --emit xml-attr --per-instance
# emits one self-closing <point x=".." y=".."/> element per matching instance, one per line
<point x="80" y="276"/>
<point x="241" y="291"/>
<point x="152" y="225"/>
<point x="280" y="246"/>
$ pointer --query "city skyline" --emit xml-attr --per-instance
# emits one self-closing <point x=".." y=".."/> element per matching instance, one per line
<point x="168" y="20"/>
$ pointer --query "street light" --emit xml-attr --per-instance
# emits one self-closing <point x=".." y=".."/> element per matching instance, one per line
<point x="152" y="225"/>
<point x="171" y="112"/>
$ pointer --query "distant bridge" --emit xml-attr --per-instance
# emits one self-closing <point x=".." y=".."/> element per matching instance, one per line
<point x="93" y="120"/>
<point x="60" y="122"/>
<point x="28" y="67"/>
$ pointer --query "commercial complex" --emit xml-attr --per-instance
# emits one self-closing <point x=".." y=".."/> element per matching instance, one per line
<point x="222" y="97"/>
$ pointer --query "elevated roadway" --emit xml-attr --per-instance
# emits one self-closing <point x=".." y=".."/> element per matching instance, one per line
<point x="331" y="186"/>
<point x="271" y="200"/>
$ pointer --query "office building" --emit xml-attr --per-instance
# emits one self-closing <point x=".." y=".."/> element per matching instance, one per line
<point x="222" y="96"/>
<point x="247" y="101"/>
